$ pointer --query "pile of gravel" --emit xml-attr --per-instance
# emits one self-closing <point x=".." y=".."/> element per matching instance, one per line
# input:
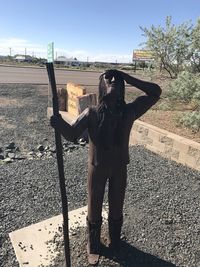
<point x="161" y="212"/>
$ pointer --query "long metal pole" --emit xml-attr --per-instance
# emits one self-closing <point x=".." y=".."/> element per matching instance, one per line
<point x="52" y="82"/>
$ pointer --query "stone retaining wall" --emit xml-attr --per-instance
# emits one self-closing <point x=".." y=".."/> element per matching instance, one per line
<point x="167" y="144"/>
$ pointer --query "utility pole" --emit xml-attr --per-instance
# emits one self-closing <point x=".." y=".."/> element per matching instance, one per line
<point x="10" y="51"/>
<point x="25" y="53"/>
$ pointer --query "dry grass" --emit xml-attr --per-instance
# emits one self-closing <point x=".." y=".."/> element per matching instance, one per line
<point x="32" y="118"/>
<point x="5" y="124"/>
<point x="7" y="102"/>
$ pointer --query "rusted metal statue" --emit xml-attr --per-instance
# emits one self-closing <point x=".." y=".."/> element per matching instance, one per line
<point x="109" y="125"/>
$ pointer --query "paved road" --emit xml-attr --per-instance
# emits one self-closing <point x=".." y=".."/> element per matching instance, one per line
<point x="39" y="76"/>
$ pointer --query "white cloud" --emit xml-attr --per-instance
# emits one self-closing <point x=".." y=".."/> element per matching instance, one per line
<point x="18" y="46"/>
<point x="119" y="58"/>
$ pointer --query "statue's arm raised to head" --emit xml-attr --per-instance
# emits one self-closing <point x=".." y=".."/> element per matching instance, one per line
<point x="71" y="131"/>
<point x="143" y="103"/>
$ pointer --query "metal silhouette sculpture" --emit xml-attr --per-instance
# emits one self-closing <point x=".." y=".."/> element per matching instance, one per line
<point x="109" y="125"/>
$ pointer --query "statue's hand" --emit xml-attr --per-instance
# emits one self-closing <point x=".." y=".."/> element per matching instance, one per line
<point x="109" y="74"/>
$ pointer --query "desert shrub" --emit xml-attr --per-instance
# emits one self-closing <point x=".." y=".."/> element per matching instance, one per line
<point x="191" y="120"/>
<point x="186" y="87"/>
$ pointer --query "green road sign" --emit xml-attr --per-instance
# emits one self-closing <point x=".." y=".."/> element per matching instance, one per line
<point x="50" y="52"/>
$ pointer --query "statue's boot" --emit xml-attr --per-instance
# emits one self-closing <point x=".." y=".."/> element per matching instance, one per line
<point x="93" y="245"/>
<point x="115" y="227"/>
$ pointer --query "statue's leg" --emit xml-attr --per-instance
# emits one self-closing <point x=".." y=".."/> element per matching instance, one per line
<point x="116" y="194"/>
<point x="96" y="186"/>
<point x="97" y="176"/>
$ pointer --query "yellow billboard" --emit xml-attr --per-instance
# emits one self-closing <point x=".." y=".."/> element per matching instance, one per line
<point x="142" y="55"/>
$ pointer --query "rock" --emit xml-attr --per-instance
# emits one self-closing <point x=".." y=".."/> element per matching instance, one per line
<point x="11" y="145"/>
<point x="7" y="160"/>
<point x="39" y="155"/>
<point x="82" y="143"/>
<point x="49" y="155"/>
<point x="31" y="153"/>
<point x="1" y="156"/>
<point x="40" y="148"/>
<point x="11" y="155"/>
<point x="168" y="221"/>
<point x="1" y="150"/>
<point x="8" y="150"/>
<point x="71" y="147"/>
<point x="52" y="149"/>
<point x="19" y="157"/>
<point x="66" y="143"/>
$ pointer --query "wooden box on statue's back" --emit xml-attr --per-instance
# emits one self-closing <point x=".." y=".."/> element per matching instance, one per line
<point x="73" y="100"/>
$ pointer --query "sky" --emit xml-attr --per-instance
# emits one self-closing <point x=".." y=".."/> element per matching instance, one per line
<point x="90" y="30"/>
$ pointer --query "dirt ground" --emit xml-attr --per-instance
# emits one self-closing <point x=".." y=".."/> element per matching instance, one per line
<point x="167" y="120"/>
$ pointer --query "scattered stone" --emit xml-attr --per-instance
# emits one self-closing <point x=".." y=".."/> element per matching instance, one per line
<point x="72" y="146"/>
<point x="82" y="143"/>
<point x="11" y="155"/>
<point x="8" y="150"/>
<point x="7" y="160"/>
<point x="39" y="155"/>
<point x="52" y="149"/>
<point x="30" y="153"/>
<point x="66" y="143"/>
<point x="11" y="145"/>
<point x="1" y="157"/>
<point x="1" y="150"/>
<point x="40" y="148"/>
<point x="19" y="157"/>
<point x="168" y="221"/>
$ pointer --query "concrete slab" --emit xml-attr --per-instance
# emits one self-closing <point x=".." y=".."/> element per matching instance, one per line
<point x="31" y="244"/>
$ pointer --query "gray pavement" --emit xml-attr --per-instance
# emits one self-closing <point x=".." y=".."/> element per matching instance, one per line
<point x="30" y="75"/>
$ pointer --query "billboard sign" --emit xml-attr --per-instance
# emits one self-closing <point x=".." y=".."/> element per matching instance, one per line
<point x="50" y="52"/>
<point x="142" y="55"/>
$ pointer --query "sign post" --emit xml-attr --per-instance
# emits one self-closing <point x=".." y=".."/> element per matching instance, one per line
<point x="52" y="82"/>
<point x="50" y="52"/>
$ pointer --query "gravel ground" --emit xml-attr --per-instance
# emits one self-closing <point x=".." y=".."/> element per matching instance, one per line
<point x="161" y="214"/>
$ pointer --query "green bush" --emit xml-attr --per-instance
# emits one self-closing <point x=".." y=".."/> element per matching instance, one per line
<point x="191" y="120"/>
<point x="186" y="87"/>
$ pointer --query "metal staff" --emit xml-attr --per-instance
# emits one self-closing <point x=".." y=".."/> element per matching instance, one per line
<point x="52" y="82"/>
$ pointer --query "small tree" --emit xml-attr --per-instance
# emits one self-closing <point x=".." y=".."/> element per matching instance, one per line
<point x="170" y="45"/>
<point x="186" y="87"/>
<point x="195" y="48"/>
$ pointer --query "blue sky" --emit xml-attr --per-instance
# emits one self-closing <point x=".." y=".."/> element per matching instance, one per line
<point x="100" y="30"/>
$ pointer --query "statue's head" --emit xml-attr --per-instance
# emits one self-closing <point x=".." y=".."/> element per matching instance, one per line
<point x="111" y="85"/>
